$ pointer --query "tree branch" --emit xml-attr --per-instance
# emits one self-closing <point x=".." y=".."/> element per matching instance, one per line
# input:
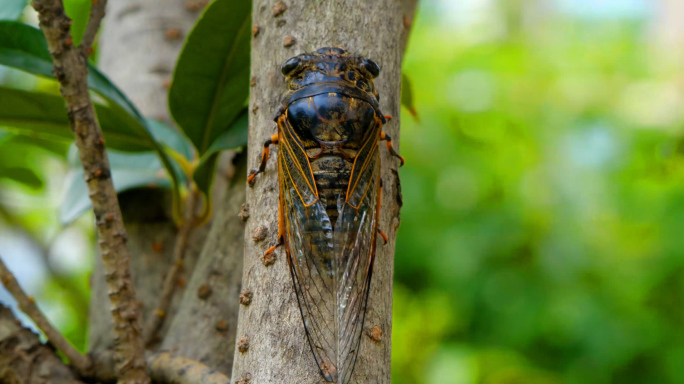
<point x="24" y="359"/>
<point x="97" y="12"/>
<point x="171" y="281"/>
<point x="163" y="367"/>
<point x="81" y="362"/>
<point x="178" y="370"/>
<point x="70" y="69"/>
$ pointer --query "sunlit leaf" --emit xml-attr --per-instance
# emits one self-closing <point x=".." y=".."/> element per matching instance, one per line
<point x="79" y="13"/>
<point x="235" y="137"/>
<point x="24" y="47"/>
<point x="22" y="175"/>
<point x="11" y="9"/>
<point x="45" y="115"/>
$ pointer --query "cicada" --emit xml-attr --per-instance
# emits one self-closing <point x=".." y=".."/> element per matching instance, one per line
<point x="329" y="131"/>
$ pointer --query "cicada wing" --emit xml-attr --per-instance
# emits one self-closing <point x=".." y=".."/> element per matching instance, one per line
<point x="354" y="244"/>
<point x="309" y="247"/>
<point x="331" y="269"/>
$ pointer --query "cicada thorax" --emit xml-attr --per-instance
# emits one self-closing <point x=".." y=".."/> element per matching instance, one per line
<point x="332" y="128"/>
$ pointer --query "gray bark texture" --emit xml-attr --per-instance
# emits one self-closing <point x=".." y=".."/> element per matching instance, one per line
<point x="273" y="347"/>
<point x="24" y="359"/>
<point x="204" y="327"/>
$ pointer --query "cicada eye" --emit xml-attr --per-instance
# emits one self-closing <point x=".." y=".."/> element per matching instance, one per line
<point x="371" y="66"/>
<point x="290" y="65"/>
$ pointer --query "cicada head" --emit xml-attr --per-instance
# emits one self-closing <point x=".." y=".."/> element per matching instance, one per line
<point x="332" y="66"/>
<point x="331" y="97"/>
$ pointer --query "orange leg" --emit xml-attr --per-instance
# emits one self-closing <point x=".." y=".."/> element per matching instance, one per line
<point x="264" y="158"/>
<point x="384" y="236"/>
<point x="281" y="227"/>
<point x="390" y="147"/>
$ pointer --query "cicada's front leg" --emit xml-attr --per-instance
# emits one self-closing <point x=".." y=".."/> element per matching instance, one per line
<point x="390" y="147"/>
<point x="264" y="158"/>
<point x="281" y="227"/>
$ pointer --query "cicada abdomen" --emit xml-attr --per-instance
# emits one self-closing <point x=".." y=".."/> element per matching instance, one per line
<point x="329" y="129"/>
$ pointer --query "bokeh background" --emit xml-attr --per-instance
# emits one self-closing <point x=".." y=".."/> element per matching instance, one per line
<point x="542" y="236"/>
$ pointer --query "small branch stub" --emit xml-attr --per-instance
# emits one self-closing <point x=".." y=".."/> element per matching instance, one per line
<point x="375" y="333"/>
<point x="222" y="326"/>
<point x="260" y="233"/>
<point x="289" y="41"/>
<point x="244" y="212"/>
<point x="204" y="291"/>
<point x="279" y="9"/>
<point x="268" y="259"/>
<point x="246" y="297"/>
<point x="243" y="344"/>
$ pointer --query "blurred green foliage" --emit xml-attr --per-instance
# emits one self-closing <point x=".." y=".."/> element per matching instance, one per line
<point x="543" y="199"/>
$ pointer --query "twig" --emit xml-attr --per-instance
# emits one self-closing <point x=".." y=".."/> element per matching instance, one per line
<point x="155" y="322"/>
<point x="169" y="369"/>
<point x="97" y="12"/>
<point x="70" y="69"/>
<point x="81" y="362"/>
<point x="163" y="368"/>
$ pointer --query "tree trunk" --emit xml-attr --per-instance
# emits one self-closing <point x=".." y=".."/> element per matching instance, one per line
<point x="275" y="348"/>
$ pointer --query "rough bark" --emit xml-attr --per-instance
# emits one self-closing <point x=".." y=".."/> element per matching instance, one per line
<point x="71" y="71"/>
<point x="151" y="239"/>
<point x="24" y="359"/>
<point x="137" y="54"/>
<point x="204" y="327"/>
<point x="278" y="351"/>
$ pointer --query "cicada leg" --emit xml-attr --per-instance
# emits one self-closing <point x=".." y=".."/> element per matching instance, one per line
<point x="281" y="228"/>
<point x="390" y="147"/>
<point x="264" y="158"/>
<point x="384" y="235"/>
<point x="377" y="213"/>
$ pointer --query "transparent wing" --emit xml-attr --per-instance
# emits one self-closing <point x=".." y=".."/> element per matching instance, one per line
<point x="331" y="269"/>
<point x="354" y="243"/>
<point x="309" y="246"/>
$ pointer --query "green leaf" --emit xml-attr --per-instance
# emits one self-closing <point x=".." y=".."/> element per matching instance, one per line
<point x="45" y="115"/>
<point x="129" y="171"/>
<point x="211" y="79"/>
<point x="22" y="175"/>
<point x="79" y="13"/>
<point x="234" y="137"/>
<point x="14" y="140"/>
<point x="407" y="96"/>
<point x="11" y="9"/>
<point x="170" y="137"/>
<point x="24" y="47"/>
